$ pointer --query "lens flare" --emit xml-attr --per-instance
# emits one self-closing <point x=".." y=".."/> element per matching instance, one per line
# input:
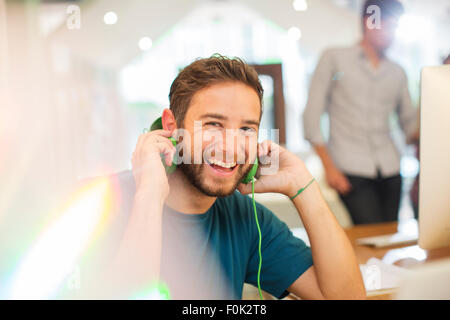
<point x="53" y="257"/>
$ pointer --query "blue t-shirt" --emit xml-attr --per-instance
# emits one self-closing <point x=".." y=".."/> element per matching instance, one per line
<point x="211" y="255"/>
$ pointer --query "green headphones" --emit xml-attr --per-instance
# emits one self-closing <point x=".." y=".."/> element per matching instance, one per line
<point x="157" y="125"/>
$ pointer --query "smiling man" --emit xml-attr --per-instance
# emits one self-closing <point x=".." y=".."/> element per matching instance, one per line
<point x="193" y="231"/>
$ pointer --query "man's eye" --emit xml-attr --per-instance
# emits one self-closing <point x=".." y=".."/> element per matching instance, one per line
<point x="214" y="124"/>
<point x="248" y="129"/>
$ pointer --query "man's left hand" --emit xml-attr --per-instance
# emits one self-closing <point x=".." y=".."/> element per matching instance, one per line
<point x="291" y="175"/>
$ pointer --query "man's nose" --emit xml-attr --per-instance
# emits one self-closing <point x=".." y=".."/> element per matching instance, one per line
<point x="226" y="150"/>
<point x="233" y="148"/>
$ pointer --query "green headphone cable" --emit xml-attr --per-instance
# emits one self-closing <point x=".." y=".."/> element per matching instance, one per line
<point x="259" y="229"/>
<point x="260" y="239"/>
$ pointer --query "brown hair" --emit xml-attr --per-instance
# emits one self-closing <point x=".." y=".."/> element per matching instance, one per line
<point x="206" y="72"/>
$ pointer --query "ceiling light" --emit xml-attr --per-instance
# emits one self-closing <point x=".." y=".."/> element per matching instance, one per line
<point x="294" y="33"/>
<point x="145" y="43"/>
<point x="300" y="5"/>
<point x="110" y="17"/>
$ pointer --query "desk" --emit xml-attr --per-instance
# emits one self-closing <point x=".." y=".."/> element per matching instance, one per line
<point x="403" y="256"/>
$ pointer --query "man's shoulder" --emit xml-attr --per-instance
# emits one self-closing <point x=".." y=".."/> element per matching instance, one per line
<point x="124" y="180"/>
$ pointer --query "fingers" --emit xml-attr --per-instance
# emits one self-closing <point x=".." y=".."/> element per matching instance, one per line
<point x="260" y="187"/>
<point x="342" y="185"/>
<point x="161" y="133"/>
<point x="155" y="142"/>
<point x="149" y="135"/>
<point x="246" y="188"/>
<point x="165" y="133"/>
<point x="168" y="150"/>
<point x="338" y="181"/>
<point x="160" y="148"/>
<point x="345" y="186"/>
<point x="265" y="148"/>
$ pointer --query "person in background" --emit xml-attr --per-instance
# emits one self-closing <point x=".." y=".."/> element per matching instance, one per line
<point x="414" y="193"/>
<point x="359" y="88"/>
<point x="447" y="60"/>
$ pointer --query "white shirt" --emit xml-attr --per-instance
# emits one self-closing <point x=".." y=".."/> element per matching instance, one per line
<point x="359" y="100"/>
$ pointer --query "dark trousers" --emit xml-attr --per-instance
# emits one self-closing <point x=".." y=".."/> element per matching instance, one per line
<point x="373" y="200"/>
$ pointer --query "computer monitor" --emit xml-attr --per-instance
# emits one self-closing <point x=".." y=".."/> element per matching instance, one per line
<point x="426" y="282"/>
<point x="434" y="183"/>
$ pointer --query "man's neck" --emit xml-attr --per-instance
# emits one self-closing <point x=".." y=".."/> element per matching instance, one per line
<point x="184" y="197"/>
<point x="373" y="55"/>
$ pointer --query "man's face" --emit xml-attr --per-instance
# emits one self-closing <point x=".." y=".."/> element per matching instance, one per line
<point x="231" y="110"/>
<point x="381" y="39"/>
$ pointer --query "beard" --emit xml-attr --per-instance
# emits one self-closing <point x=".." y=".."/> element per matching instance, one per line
<point x="195" y="175"/>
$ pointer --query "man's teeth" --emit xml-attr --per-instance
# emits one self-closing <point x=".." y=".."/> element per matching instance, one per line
<point x="222" y="164"/>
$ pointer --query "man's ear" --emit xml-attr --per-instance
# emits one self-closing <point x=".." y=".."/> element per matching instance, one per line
<point x="168" y="120"/>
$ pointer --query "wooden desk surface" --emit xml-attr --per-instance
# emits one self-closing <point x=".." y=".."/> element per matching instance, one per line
<point x="404" y="256"/>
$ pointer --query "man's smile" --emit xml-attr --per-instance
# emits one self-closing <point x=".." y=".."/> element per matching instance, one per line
<point x="225" y="169"/>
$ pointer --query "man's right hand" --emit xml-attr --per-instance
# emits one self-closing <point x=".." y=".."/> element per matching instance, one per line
<point x="148" y="170"/>
<point x="337" y="180"/>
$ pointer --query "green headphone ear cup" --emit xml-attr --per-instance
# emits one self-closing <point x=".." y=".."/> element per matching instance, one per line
<point x="251" y="173"/>
<point x="156" y="125"/>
